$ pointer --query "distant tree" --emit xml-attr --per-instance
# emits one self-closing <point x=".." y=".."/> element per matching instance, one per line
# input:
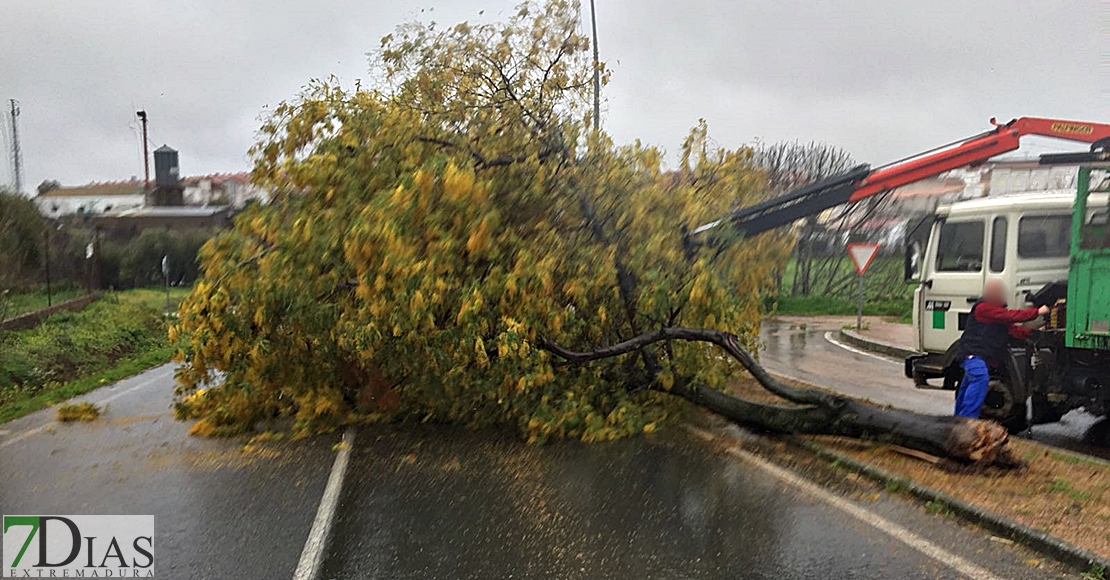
<point x="48" y="185"/>
<point x="21" y="240"/>
<point x="818" y="268"/>
<point x="140" y="261"/>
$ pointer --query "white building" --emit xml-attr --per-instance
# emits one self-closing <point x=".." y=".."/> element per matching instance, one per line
<point x="233" y="189"/>
<point x="220" y="189"/>
<point x="94" y="198"/>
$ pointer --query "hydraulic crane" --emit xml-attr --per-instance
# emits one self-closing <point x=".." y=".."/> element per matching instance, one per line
<point x="1073" y="353"/>
<point x="863" y="182"/>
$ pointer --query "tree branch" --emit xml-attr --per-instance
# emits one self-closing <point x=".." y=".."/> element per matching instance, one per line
<point x="959" y="438"/>
<point x="726" y="341"/>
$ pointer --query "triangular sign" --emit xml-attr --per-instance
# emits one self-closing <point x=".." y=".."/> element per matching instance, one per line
<point x="862" y="254"/>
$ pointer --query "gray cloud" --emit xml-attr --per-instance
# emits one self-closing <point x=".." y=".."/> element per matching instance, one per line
<point x="881" y="79"/>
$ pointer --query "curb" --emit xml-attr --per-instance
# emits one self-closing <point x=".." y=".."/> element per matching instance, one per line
<point x="1056" y="548"/>
<point x="874" y="345"/>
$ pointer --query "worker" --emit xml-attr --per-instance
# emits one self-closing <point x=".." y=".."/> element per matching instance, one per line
<point x="983" y="346"/>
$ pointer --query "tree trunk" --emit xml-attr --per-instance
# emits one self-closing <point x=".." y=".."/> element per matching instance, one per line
<point x="819" y="413"/>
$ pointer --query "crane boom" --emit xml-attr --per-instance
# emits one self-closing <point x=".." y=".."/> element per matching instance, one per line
<point x="863" y="182"/>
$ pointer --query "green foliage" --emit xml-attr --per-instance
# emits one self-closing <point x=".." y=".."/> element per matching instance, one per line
<point x="426" y="239"/>
<point x="937" y="508"/>
<point x="140" y="259"/>
<point x="21" y="240"/>
<point x="70" y="345"/>
<point x="832" y="306"/>
<point x="883" y="280"/>
<point x="130" y="263"/>
<point x="15" y="304"/>
<point x="1095" y="572"/>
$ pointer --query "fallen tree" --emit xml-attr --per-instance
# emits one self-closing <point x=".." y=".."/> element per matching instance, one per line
<point x="431" y="244"/>
<point x="817" y="412"/>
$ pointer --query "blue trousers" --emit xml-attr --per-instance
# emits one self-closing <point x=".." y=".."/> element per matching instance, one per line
<point x="973" y="388"/>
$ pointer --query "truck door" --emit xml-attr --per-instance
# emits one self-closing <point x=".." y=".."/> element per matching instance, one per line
<point x="1043" y="243"/>
<point x="955" y="281"/>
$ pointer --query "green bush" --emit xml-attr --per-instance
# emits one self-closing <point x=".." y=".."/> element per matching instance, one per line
<point x="141" y="257"/>
<point x="137" y="262"/>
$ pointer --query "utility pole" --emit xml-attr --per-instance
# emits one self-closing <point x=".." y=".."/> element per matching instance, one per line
<point x="17" y="155"/>
<point x="146" y="155"/>
<point x="597" y="72"/>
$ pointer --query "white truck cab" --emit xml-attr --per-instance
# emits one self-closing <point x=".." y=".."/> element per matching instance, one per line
<point x="1021" y="239"/>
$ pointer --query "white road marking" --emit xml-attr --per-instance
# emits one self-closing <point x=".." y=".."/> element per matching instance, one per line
<point x="32" y="432"/>
<point x="829" y="337"/>
<point x="895" y="531"/>
<point x="24" y="435"/>
<point x="312" y="557"/>
<point x="144" y="384"/>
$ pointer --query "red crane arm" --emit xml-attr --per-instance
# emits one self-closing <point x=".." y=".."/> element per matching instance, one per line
<point x="862" y="182"/>
<point x="975" y="150"/>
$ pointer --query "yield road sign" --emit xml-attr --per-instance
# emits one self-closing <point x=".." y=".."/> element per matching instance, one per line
<point x="862" y="254"/>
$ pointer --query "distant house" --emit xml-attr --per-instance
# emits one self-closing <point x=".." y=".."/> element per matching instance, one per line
<point x="232" y="189"/>
<point x="1008" y="177"/>
<point x="94" y="198"/>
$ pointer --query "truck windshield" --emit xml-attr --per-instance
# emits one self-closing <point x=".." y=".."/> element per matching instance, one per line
<point x="1046" y="236"/>
<point x="960" y="248"/>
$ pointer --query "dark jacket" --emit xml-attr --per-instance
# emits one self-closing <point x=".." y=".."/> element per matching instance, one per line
<point x="988" y="330"/>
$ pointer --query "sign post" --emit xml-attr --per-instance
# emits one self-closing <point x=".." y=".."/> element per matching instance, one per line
<point x="166" y="277"/>
<point x="861" y="253"/>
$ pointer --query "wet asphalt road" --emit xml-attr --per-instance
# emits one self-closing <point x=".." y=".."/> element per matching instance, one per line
<point x="808" y="351"/>
<point x="432" y="502"/>
<point x="219" y="511"/>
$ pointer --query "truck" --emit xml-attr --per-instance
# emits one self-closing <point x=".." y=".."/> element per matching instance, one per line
<point x="1050" y="249"/>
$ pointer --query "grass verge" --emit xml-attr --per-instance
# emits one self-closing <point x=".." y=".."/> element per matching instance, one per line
<point x="16" y="304"/>
<point x="1059" y="493"/>
<point x="124" y="368"/>
<point x="72" y="353"/>
<point x="900" y="308"/>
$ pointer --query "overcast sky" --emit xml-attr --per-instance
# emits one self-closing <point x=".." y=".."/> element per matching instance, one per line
<point x="880" y="78"/>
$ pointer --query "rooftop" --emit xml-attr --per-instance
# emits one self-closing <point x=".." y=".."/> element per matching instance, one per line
<point x="135" y="186"/>
<point x="219" y="178"/>
<point x="107" y="188"/>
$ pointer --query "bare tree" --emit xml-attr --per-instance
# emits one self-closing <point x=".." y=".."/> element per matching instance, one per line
<point x="819" y="264"/>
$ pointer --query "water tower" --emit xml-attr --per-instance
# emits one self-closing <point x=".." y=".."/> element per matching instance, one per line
<point x="167" y="178"/>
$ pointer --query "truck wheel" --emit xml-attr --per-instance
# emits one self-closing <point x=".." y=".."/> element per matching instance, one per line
<point x="1002" y="406"/>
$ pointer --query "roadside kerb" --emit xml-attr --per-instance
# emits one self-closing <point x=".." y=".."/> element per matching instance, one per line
<point x="875" y="345"/>
<point x="1054" y="547"/>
